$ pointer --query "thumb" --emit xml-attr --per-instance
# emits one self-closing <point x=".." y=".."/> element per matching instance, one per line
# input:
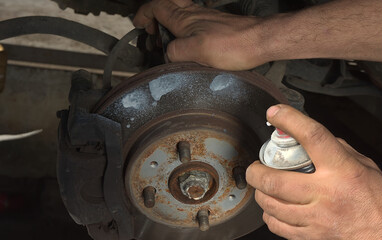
<point x="322" y="147"/>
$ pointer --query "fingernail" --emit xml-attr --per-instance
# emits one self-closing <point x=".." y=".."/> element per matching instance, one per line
<point x="273" y="110"/>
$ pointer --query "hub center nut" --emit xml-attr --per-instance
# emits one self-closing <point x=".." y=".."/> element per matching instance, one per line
<point x="195" y="184"/>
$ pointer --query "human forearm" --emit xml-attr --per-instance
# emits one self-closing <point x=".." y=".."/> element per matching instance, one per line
<point x="342" y="29"/>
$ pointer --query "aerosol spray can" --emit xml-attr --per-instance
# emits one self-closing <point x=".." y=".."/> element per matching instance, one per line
<point x="285" y="153"/>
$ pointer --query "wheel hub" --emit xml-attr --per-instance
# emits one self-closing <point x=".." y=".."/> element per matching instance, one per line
<point x="204" y="182"/>
<point x="188" y="134"/>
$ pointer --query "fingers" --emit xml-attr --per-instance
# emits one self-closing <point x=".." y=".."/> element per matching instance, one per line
<point x="292" y="187"/>
<point x="185" y="49"/>
<point x="282" y="229"/>
<point x="169" y="13"/>
<point x="293" y="214"/>
<point x="322" y="147"/>
<point x="144" y="17"/>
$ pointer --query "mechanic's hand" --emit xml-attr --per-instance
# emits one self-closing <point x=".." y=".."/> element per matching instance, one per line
<point x="341" y="200"/>
<point x="204" y="35"/>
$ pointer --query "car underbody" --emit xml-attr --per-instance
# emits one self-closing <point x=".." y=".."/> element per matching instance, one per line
<point x="162" y="155"/>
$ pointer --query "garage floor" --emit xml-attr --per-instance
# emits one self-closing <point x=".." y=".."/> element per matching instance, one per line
<point x="33" y="95"/>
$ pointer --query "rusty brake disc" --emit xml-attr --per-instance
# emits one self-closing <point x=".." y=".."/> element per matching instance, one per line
<point x="189" y="132"/>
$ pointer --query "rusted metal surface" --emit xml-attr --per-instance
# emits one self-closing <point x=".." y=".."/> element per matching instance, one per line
<point x="213" y="151"/>
<point x="184" y="151"/>
<point x="203" y="221"/>
<point x="190" y="69"/>
<point x="196" y="191"/>
<point x="221" y="115"/>
<point x="239" y="176"/>
<point x="195" y="184"/>
<point x="149" y="196"/>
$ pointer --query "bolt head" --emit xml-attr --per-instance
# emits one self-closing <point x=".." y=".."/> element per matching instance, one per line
<point x="195" y="184"/>
<point x="195" y="192"/>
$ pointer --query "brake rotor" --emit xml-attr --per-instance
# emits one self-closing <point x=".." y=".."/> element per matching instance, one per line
<point x="188" y="133"/>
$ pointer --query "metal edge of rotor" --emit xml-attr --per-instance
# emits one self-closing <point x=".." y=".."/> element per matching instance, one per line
<point x="144" y="77"/>
<point x="250" y="77"/>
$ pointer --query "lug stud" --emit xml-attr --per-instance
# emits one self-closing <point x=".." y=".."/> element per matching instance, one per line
<point x="203" y="220"/>
<point x="239" y="176"/>
<point x="184" y="151"/>
<point x="149" y="196"/>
